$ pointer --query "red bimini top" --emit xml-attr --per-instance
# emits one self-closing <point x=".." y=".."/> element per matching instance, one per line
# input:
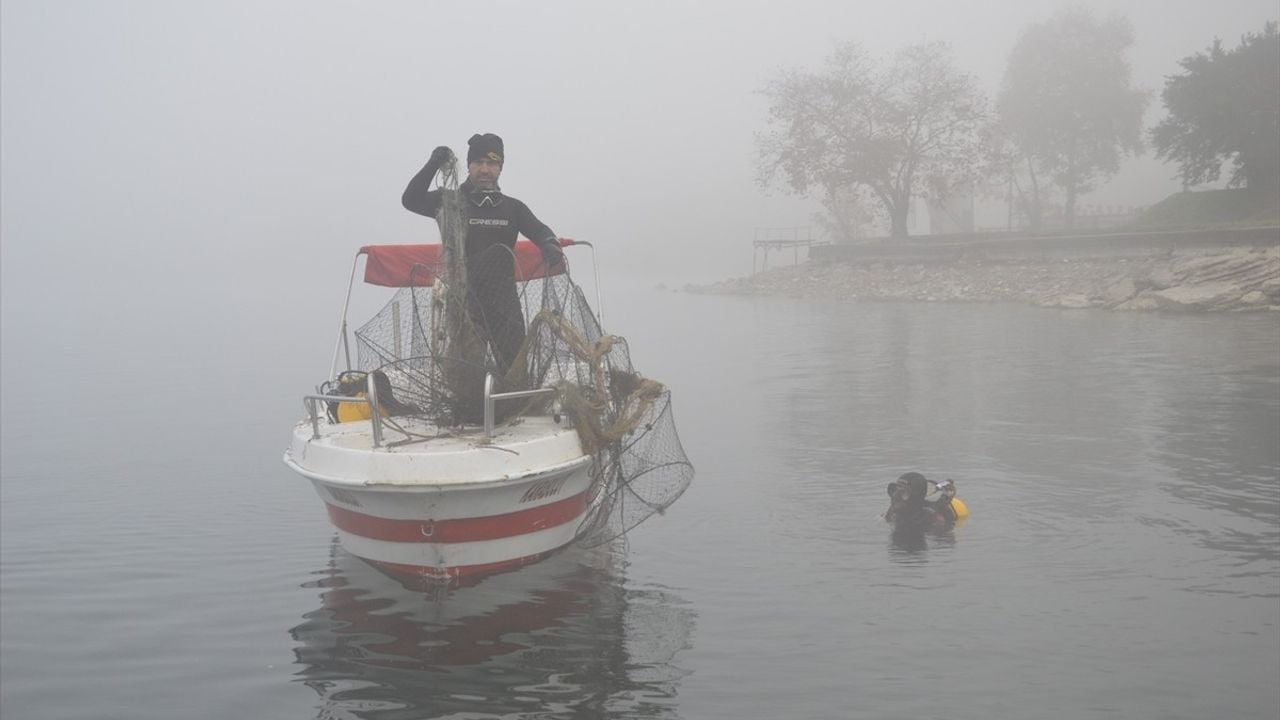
<point x="414" y="265"/>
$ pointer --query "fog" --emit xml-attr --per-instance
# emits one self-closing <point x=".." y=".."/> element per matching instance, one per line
<point x="184" y="185"/>
<point x="150" y="145"/>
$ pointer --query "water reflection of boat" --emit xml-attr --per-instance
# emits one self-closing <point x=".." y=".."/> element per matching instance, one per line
<point x="557" y="637"/>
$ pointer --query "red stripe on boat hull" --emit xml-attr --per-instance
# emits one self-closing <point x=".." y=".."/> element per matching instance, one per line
<point x="460" y="572"/>
<point x="458" y="530"/>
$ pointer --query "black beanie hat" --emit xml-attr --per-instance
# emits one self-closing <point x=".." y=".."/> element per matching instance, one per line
<point x="487" y="145"/>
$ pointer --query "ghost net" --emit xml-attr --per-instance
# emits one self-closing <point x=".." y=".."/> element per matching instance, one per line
<point x="435" y="342"/>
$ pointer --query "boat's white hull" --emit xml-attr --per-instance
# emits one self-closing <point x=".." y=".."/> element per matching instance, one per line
<point x="450" y="508"/>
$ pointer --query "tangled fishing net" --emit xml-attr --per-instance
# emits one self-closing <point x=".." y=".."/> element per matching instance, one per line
<point x="431" y="347"/>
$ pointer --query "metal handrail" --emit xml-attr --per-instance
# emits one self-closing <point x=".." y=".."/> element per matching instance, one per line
<point x="595" y="275"/>
<point x="490" y="396"/>
<point x="370" y="399"/>
<point x="341" y="343"/>
<point x="375" y="417"/>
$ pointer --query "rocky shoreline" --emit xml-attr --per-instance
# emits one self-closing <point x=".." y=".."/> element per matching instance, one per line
<point x="1236" y="279"/>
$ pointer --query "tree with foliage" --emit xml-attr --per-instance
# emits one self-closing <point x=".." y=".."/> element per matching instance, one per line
<point x="845" y="214"/>
<point x="1069" y="105"/>
<point x="884" y="130"/>
<point x="1225" y="107"/>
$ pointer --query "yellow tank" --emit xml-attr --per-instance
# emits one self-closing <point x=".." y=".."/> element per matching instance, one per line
<point x="957" y="506"/>
<point x="352" y="411"/>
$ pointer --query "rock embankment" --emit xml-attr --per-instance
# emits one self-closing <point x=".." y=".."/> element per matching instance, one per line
<point x="1238" y="279"/>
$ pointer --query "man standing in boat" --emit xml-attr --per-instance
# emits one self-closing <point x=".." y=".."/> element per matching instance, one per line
<point x="494" y="220"/>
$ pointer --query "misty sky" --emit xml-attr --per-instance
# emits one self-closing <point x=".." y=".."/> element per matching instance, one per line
<point x="161" y="139"/>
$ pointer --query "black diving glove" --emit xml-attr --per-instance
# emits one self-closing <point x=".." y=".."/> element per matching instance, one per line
<point x="440" y="156"/>
<point x="552" y="255"/>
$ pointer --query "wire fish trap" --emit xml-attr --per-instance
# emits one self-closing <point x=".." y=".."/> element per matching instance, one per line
<point x="434" y="358"/>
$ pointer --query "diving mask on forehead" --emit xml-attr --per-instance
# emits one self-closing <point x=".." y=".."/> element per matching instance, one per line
<point x="483" y="198"/>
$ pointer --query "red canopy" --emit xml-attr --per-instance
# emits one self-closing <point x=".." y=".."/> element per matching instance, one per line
<point x="414" y="265"/>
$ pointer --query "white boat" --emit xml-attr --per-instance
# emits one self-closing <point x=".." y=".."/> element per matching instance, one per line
<point x="419" y="493"/>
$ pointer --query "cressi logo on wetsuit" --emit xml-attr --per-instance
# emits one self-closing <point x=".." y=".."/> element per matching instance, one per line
<point x="495" y="219"/>
<point x="492" y="218"/>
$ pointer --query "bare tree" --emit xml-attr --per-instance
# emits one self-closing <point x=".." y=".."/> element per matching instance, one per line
<point x="1017" y="180"/>
<point x="1069" y="105"/>
<point x="907" y="127"/>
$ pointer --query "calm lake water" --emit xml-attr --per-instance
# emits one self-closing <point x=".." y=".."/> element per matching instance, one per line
<point x="1122" y="559"/>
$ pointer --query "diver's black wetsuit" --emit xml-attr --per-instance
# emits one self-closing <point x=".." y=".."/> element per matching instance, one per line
<point x="926" y="515"/>
<point x="494" y="221"/>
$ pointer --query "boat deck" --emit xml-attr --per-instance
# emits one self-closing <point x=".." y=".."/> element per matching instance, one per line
<point x="344" y="453"/>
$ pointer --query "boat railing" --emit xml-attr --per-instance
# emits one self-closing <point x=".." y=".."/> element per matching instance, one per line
<point x="370" y="399"/>
<point x="375" y="418"/>
<point x="490" y="396"/>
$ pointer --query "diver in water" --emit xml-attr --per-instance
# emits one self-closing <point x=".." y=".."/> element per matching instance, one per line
<point x="911" y="509"/>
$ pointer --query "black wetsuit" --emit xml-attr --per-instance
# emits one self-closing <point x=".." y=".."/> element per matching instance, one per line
<point x="926" y="515"/>
<point x="494" y="221"/>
